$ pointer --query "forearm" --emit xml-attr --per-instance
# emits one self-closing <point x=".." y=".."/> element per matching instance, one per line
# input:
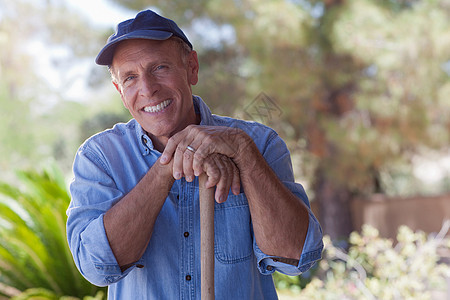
<point x="280" y="219"/>
<point x="129" y="223"/>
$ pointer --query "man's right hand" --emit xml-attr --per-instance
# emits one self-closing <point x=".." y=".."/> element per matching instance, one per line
<point x="222" y="173"/>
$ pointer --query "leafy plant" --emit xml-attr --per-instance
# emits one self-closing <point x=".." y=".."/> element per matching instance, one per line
<point x="375" y="268"/>
<point x="43" y="294"/>
<point x="294" y="284"/>
<point x="33" y="248"/>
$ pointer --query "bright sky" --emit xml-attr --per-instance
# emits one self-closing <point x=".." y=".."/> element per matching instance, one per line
<point x="107" y="14"/>
<point x="101" y="12"/>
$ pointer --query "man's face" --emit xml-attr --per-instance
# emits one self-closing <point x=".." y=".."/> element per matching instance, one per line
<point x="155" y="85"/>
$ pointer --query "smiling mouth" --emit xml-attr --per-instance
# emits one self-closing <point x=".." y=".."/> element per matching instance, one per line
<point x="159" y="107"/>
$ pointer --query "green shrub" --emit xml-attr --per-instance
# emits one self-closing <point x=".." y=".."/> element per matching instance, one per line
<point x="43" y="294"/>
<point x="33" y="247"/>
<point x="375" y="268"/>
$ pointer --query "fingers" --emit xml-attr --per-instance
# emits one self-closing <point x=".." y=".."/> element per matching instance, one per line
<point x="169" y="150"/>
<point x="236" y="180"/>
<point x="183" y="153"/>
<point x="189" y="154"/>
<point x="220" y="178"/>
<point x="206" y="140"/>
<point x="186" y="164"/>
<point x="221" y="171"/>
<point x="177" y="144"/>
<point x="201" y="154"/>
<point x="198" y="149"/>
<point x="223" y="174"/>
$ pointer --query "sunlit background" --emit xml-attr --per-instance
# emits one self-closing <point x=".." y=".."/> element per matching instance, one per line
<point x="358" y="89"/>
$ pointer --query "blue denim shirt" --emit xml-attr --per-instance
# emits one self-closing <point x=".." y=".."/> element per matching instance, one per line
<point x="109" y="164"/>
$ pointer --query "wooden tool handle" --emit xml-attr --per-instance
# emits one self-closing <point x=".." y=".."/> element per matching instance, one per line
<point x="206" y="239"/>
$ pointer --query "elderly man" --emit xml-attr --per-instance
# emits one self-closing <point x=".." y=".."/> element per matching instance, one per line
<point x="133" y="222"/>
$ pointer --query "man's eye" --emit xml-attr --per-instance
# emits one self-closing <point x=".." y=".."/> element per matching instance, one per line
<point x="129" y="78"/>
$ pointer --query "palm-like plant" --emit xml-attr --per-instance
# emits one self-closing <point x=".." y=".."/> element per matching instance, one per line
<point x="33" y="247"/>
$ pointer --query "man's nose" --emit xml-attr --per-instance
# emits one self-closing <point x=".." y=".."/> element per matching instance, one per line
<point x="148" y="86"/>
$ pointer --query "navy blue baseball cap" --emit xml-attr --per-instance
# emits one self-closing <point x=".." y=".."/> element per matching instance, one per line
<point x="146" y="25"/>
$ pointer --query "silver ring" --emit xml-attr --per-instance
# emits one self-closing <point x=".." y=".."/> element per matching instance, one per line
<point x="190" y="148"/>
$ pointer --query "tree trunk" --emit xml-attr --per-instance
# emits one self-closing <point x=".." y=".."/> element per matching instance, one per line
<point x="334" y="207"/>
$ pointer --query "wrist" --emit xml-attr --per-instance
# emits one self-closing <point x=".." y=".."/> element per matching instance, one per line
<point x="245" y="152"/>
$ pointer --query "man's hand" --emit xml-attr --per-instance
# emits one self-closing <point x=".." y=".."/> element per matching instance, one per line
<point x="210" y="149"/>
<point x="204" y="140"/>
<point x="223" y="174"/>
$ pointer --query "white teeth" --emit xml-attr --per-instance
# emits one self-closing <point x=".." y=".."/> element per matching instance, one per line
<point x="157" y="108"/>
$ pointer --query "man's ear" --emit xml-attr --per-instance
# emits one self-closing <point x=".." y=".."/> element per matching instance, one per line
<point x="193" y="67"/>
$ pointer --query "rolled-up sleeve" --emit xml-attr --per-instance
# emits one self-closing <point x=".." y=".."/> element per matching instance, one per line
<point x="278" y="157"/>
<point x="93" y="192"/>
<point x="312" y="252"/>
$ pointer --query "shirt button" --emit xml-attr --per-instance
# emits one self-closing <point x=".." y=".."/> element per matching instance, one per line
<point x="186" y="234"/>
<point x="188" y="277"/>
<point x="269" y="268"/>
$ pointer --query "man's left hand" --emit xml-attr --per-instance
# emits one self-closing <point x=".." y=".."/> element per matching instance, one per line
<point x="191" y="146"/>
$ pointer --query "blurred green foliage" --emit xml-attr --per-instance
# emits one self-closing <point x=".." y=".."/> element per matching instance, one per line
<point x="33" y="248"/>
<point x="378" y="268"/>
<point x="44" y="294"/>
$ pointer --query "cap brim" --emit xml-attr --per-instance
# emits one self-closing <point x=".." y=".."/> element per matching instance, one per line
<point x="105" y="55"/>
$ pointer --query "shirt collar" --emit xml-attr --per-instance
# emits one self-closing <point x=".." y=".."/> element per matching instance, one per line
<point x="204" y="111"/>
<point x="145" y="142"/>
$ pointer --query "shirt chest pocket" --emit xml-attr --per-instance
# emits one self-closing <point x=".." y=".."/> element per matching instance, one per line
<point x="233" y="237"/>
